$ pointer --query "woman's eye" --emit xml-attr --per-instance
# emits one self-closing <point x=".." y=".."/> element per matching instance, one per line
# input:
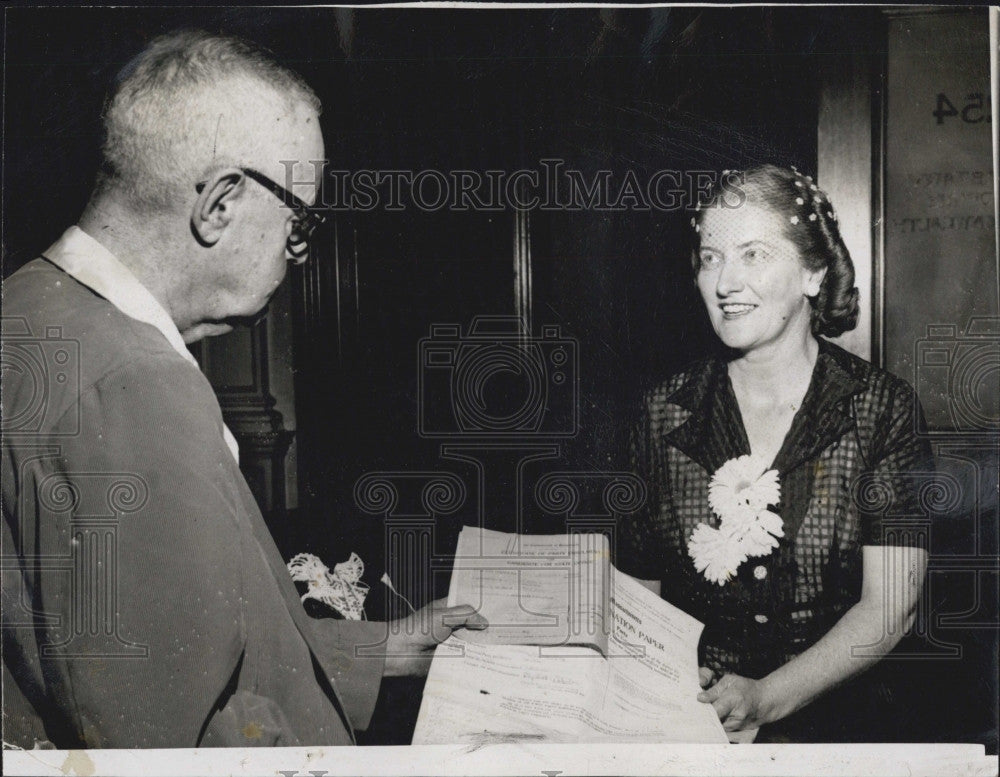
<point x="710" y="260"/>
<point x="752" y="255"/>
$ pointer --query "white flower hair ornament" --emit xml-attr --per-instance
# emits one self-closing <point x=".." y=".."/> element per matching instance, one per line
<point x="739" y="493"/>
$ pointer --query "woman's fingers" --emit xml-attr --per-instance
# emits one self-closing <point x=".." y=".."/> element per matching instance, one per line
<point x="705" y="676"/>
<point x="728" y="700"/>
<point x="724" y="705"/>
<point x="733" y="723"/>
<point x="714" y="692"/>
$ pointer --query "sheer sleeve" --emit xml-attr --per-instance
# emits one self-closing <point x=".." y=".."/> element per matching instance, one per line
<point x="892" y="495"/>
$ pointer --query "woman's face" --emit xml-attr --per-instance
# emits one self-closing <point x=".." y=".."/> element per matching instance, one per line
<point x="751" y="277"/>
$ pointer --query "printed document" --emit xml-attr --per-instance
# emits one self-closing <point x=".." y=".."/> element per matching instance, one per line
<point x="576" y="651"/>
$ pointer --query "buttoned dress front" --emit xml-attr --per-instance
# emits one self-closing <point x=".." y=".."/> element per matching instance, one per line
<point x="853" y="471"/>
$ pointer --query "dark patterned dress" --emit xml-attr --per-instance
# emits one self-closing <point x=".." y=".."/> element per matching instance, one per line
<point x="853" y="471"/>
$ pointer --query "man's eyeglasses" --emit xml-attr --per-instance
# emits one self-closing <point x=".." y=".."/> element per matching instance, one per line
<point x="306" y="220"/>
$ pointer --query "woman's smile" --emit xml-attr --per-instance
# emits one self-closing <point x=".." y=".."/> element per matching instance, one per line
<point x="752" y="278"/>
<point x="734" y="310"/>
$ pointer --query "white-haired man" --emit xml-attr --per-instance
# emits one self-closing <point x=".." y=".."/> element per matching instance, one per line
<point x="145" y="603"/>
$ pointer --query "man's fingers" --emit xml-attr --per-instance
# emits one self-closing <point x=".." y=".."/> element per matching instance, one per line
<point x="436" y="621"/>
<point x="462" y="616"/>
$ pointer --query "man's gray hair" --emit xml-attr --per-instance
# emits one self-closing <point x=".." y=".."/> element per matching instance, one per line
<point x="155" y="119"/>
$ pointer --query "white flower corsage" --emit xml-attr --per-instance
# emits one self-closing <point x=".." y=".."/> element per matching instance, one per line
<point x="739" y="493"/>
<point x="341" y="589"/>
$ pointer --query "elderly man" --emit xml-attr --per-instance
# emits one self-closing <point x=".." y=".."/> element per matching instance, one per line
<point x="145" y="603"/>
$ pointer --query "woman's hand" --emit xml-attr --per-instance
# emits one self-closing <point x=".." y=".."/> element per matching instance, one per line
<point x="741" y="703"/>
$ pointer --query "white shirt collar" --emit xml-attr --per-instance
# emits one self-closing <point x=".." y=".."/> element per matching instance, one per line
<point x="93" y="265"/>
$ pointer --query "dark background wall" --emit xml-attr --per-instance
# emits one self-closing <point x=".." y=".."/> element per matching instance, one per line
<point x="622" y="90"/>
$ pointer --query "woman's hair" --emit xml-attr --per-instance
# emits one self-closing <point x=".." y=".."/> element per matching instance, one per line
<point x="811" y="225"/>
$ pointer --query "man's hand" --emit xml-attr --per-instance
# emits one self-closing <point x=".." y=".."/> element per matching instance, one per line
<point x="412" y="640"/>
<point x="740" y="702"/>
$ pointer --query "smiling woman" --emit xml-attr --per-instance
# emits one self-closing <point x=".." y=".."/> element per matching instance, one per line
<point x="783" y="232"/>
<point x="754" y="285"/>
<point x="801" y="579"/>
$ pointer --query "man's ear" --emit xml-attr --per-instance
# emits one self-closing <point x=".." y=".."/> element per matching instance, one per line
<point x="213" y="210"/>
